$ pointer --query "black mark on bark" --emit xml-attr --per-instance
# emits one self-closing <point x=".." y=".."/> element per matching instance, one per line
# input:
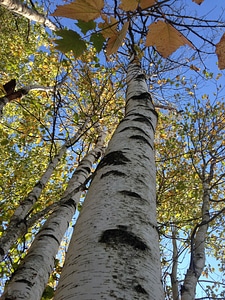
<point x="140" y="289"/>
<point x="113" y="158"/>
<point x="113" y="237"/>
<point x="130" y="194"/>
<point x="142" y="96"/>
<point x="114" y="173"/>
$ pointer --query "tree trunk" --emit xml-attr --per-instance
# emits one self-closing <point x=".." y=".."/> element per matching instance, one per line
<point x="173" y="276"/>
<point x="197" y="262"/>
<point x="29" y="280"/>
<point x="114" y="251"/>
<point x="18" y="223"/>
<point x="21" y="9"/>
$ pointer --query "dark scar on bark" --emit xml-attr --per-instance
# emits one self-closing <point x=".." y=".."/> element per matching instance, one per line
<point x="113" y="158"/>
<point x="113" y="237"/>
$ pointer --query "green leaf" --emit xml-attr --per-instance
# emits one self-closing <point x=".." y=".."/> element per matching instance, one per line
<point x="86" y="26"/>
<point x="70" y="41"/>
<point x="98" y="40"/>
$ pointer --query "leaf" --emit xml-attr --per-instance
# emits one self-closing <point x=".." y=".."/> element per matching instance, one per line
<point x="115" y="41"/>
<point x="147" y="3"/>
<point x="131" y="5"/>
<point x="98" y="40"/>
<point x="198" y="1"/>
<point x="85" y="10"/>
<point x="165" y="38"/>
<point x="86" y="26"/>
<point x="71" y="40"/>
<point x="220" y="52"/>
<point x="108" y="28"/>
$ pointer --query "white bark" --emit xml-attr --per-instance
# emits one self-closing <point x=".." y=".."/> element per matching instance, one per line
<point x="197" y="263"/>
<point x="114" y="251"/>
<point x="17" y="225"/>
<point x="22" y="9"/>
<point x="174" y="281"/>
<point x="30" y="279"/>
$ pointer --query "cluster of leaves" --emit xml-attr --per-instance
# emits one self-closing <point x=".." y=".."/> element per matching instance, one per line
<point x="161" y="33"/>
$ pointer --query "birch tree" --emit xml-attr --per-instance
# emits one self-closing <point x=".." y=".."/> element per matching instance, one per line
<point x="115" y="242"/>
<point x="116" y="236"/>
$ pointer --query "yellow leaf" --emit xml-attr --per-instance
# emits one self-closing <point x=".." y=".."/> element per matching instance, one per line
<point x="220" y="51"/>
<point x="115" y="41"/>
<point x="108" y="28"/>
<point x="165" y="38"/>
<point x="198" y="1"/>
<point x="129" y="5"/>
<point x="85" y="10"/>
<point x="147" y="3"/>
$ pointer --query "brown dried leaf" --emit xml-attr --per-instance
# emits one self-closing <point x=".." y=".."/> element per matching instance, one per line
<point x="116" y="41"/>
<point x="108" y="27"/>
<point x="165" y="38"/>
<point x="147" y="3"/>
<point x="220" y="51"/>
<point x="85" y="10"/>
<point x="129" y="5"/>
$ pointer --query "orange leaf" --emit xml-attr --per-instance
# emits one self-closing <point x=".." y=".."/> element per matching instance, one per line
<point x="147" y="3"/>
<point x="165" y="38"/>
<point x="115" y="41"/>
<point x="220" y="51"/>
<point x="129" y="5"/>
<point x="198" y="1"/>
<point x="85" y="10"/>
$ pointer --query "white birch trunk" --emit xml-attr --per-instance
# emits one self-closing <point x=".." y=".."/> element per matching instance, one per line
<point x="17" y="225"/>
<point x="30" y="279"/>
<point x="21" y="9"/>
<point x="114" y="251"/>
<point x="197" y="263"/>
<point x="173" y="276"/>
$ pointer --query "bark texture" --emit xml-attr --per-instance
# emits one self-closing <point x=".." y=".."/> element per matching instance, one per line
<point x="22" y="9"/>
<point x="114" y="251"/>
<point x="30" y="279"/>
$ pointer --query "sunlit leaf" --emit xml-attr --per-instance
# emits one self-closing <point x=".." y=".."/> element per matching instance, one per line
<point x="109" y="28"/>
<point x="70" y="41"/>
<point x="129" y="5"/>
<point x="220" y="51"/>
<point x="116" y="41"/>
<point x="147" y="3"/>
<point x="165" y="38"/>
<point x="85" y="10"/>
